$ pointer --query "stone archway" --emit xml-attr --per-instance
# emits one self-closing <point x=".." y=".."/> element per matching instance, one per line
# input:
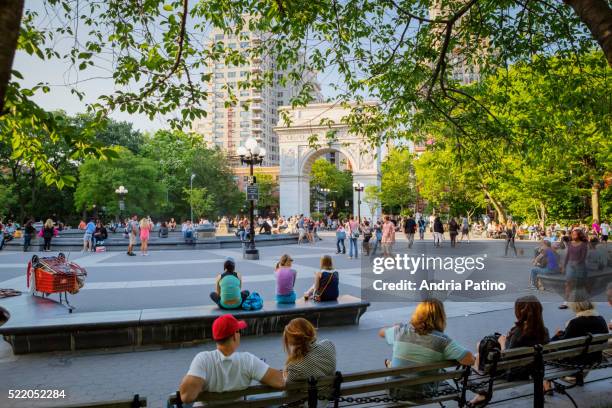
<point x="297" y="156"/>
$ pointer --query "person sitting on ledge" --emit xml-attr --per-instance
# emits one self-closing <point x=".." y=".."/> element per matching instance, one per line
<point x="422" y="342"/>
<point x="285" y="280"/>
<point x="306" y="357"/>
<point x="229" y="284"/>
<point x="187" y="230"/>
<point x="226" y="369"/>
<point x="326" y="282"/>
<point x="546" y="262"/>
<point x="163" y="230"/>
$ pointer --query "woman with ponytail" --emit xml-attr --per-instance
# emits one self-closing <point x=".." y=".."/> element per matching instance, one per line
<point x="307" y="357"/>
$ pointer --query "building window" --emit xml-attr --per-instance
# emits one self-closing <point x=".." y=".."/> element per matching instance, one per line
<point x="244" y="44"/>
<point x="219" y="65"/>
<point x="219" y="75"/>
<point x="245" y="115"/>
<point x="232" y="46"/>
<point x="219" y="37"/>
<point x="243" y="74"/>
<point x="231" y="74"/>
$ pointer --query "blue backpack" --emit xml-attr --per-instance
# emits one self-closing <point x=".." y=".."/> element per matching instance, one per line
<point x="253" y="302"/>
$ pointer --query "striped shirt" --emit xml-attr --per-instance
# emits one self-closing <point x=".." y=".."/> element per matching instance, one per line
<point x="319" y="362"/>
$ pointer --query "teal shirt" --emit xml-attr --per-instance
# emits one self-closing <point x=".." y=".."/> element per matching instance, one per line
<point x="411" y="348"/>
<point x="230" y="292"/>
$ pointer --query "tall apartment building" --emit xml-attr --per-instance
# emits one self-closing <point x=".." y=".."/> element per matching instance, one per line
<point x="229" y="127"/>
<point x="462" y="71"/>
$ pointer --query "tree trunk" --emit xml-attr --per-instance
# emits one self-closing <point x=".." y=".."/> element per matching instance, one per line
<point x="542" y="215"/>
<point x="595" y="202"/>
<point x="597" y="16"/>
<point x="10" y="20"/>
<point x="499" y="209"/>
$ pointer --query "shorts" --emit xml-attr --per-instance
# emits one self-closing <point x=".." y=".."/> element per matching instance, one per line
<point x="604" y="238"/>
<point x="132" y="239"/>
<point x="575" y="271"/>
<point x="87" y="237"/>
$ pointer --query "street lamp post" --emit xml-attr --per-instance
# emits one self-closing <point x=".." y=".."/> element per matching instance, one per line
<point x="251" y="154"/>
<point x="358" y="188"/>
<point x="191" y="197"/>
<point x="121" y="192"/>
<point x="325" y="191"/>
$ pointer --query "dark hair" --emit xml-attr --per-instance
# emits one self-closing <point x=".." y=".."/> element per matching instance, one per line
<point x="528" y="312"/>
<point x="229" y="266"/>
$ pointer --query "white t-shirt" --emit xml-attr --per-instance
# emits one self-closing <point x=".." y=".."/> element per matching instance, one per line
<point x="605" y="229"/>
<point x="227" y="373"/>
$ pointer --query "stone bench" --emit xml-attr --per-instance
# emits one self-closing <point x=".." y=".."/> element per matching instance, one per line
<point x="32" y="327"/>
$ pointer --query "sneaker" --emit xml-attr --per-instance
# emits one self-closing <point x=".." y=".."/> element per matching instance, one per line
<point x="563" y="306"/>
<point x="131" y="254"/>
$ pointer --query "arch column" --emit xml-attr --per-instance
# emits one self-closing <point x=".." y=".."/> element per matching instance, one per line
<point x="294" y="195"/>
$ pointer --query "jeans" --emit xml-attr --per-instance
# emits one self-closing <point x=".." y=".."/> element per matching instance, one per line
<point x="1" y="241"/>
<point x="410" y="238"/>
<point x="453" y="239"/>
<point x="421" y="234"/>
<point x="47" y="245"/>
<point x="437" y="236"/>
<point x="27" y="240"/>
<point x="510" y="242"/>
<point x="375" y="247"/>
<point x="242" y="234"/>
<point x="539" y="271"/>
<point x="353" y="246"/>
<point x="340" y="243"/>
<point x="286" y="299"/>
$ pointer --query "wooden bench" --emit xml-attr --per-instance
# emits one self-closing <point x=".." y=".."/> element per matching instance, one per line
<point x="136" y="402"/>
<point x="370" y="388"/>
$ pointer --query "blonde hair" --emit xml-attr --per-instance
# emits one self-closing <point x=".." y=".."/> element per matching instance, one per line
<point x="326" y="262"/>
<point x="298" y="336"/>
<point x="429" y="316"/>
<point x="581" y="306"/>
<point x="49" y="223"/>
<point x="144" y="223"/>
<point x="285" y="260"/>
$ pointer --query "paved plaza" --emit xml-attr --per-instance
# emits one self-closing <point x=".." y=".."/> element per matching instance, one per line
<point x="185" y="278"/>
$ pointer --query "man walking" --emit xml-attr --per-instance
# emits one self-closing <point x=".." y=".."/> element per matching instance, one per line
<point x="410" y="229"/>
<point x="133" y="232"/>
<point x="388" y="236"/>
<point x="226" y="369"/>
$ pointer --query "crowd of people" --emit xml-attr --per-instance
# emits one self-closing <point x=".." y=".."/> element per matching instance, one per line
<point x="422" y="340"/>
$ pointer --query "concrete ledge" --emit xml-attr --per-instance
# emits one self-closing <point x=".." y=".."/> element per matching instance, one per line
<point x="596" y="282"/>
<point x="67" y="244"/>
<point x="40" y="325"/>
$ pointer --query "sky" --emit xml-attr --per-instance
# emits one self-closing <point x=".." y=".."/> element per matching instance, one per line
<point x="57" y="72"/>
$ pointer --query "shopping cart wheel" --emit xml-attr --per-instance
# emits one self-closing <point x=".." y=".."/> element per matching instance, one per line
<point x="35" y="261"/>
<point x="61" y="257"/>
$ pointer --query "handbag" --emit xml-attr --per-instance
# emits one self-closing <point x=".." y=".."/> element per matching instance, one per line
<point x="317" y="295"/>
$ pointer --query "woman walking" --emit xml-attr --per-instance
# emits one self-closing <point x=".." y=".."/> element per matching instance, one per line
<point x="340" y="237"/>
<point x="510" y="233"/>
<point x="453" y="231"/>
<point x="48" y="233"/>
<point x="145" y="232"/>
<point x="352" y="228"/>
<point x="574" y="265"/>
<point x="438" y="231"/>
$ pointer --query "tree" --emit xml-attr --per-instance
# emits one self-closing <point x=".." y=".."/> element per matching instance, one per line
<point x="98" y="180"/>
<point x="202" y="202"/>
<point x="372" y="199"/>
<point x="326" y="175"/>
<point x="392" y="50"/>
<point x="268" y="192"/>
<point x="544" y="172"/>
<point x="397" y="185"/>
<point x="7" y="199"/>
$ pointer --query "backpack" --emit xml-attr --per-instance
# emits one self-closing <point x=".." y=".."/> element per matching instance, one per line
<point x="253" y="302"/>
<point x="487" y="345"/>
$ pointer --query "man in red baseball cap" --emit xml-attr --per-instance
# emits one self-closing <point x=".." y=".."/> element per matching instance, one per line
<point x="226" y="369"/>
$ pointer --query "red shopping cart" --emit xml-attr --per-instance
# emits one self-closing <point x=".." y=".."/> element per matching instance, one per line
<point x="55" y="274"/>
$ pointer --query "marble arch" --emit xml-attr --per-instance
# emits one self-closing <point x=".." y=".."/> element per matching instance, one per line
<point x="297" y="156"/>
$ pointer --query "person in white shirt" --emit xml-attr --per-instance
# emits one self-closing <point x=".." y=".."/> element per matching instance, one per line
<point x="605" y="231"/>
<point x="225" y="369"/>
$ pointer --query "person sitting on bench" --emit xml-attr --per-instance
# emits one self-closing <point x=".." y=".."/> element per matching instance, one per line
<point x="285" y="280"/>
<point x="422" y="341"/>
<point x="326" y="284"/>
<point x="187" y="230"/>
<point x="163" y="230"/>
<point x="226" y="369"/>
<point x="228" y="294"/>
<point x="528" y="331"/>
